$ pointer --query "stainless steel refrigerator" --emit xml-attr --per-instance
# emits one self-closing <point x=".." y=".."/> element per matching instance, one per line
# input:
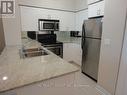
<point x="91" y="42"/>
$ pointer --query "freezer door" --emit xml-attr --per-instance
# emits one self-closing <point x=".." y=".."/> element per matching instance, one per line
<point x="90" y="57"/>
<point x="93" y="28"/>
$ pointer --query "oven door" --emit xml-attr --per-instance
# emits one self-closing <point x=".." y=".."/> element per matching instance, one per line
<point x="47" y="26"/>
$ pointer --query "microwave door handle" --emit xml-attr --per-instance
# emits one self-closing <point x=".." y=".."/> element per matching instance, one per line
<point x="55" y="26"/>
<point x="41" y="25"/>
<point x="38" y="25"/>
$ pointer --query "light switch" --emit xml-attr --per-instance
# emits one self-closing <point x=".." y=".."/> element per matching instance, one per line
<point x="107" y="41"/>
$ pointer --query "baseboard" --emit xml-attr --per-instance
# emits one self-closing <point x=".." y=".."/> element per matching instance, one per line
<point x="102" y="90"/>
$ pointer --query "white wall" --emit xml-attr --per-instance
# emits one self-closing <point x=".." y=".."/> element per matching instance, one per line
<point x="81" y="14"/>
<point x="80" y="17"/>
<point x="81" y="4"/>
<point x="12" y="28"/>
<point x="122" y="78"/>
<point x="112" y="38"/>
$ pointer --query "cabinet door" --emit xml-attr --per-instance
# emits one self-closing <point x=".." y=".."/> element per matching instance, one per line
<point x="72" y="52"/>
<point x="2" y="40"/>
<point x="96" y="9"/>
<point x="67" y="52"/>
<point x="92" y="1"/>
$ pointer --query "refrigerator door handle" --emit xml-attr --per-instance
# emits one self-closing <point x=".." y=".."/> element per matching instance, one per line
<point x="83" y="36"/>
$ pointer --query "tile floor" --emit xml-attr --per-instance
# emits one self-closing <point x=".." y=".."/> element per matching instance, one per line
<point x="71" y="84"/>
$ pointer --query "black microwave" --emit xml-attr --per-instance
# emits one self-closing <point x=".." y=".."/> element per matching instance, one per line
<point x="48" y="25"/>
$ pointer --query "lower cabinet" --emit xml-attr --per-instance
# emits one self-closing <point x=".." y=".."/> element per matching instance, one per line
<point x="72" y="52"/>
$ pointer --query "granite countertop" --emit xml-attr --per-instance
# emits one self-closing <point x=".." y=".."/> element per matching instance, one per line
<point x="16" y="72"/>
<point x="64" y="36"/>
<point x="29" y="43"/>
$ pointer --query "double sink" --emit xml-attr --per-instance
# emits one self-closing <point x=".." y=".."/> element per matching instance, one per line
<point x="32" y="52"/>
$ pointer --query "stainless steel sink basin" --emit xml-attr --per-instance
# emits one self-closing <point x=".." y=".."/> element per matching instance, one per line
<point x="34" y="52"/>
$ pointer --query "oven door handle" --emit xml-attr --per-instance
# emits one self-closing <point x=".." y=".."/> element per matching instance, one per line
<point x="52" y="47"/>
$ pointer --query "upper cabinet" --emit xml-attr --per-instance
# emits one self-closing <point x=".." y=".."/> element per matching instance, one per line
<point x="96" y="9"/>
<point x="93" y="1"/>
<point x="30" y="16"/>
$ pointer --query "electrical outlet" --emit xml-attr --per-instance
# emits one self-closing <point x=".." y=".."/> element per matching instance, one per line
<point x="107" y="41"/>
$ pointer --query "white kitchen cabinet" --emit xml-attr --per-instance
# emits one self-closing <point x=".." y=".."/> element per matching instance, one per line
<point x="95" y="10"/>
<point x="30" y="16"/>
<point x="93" y="1"/>
<point x="72" y="52"/>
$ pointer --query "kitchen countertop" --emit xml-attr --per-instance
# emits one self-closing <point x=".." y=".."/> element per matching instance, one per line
<point x="29" y="43"/>
<point x="64" y="36"/>
<point x="16" y="72"/>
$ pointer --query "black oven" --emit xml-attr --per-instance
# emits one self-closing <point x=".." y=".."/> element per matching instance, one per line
<point x="48" y="25"/>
